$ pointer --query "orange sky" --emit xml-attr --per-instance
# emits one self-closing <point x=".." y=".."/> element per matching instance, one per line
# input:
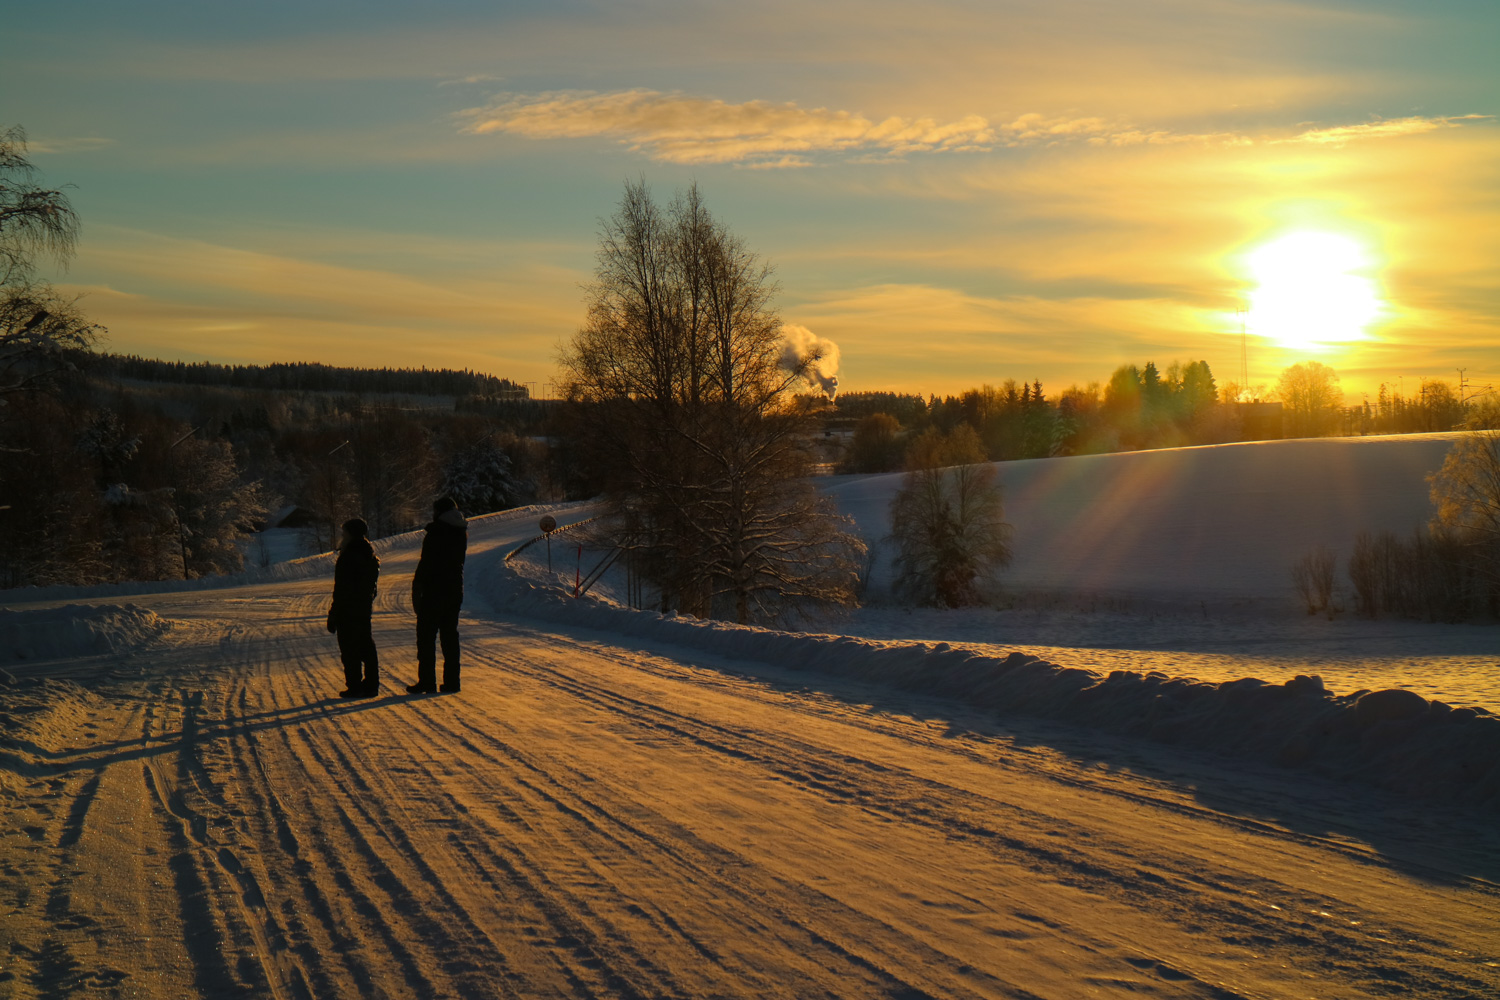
<point x="954" y="194"/>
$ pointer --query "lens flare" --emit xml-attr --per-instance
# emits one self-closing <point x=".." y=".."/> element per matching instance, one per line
<point x="1313" y="291"/>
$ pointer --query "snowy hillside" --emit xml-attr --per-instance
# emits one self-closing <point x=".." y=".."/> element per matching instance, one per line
<point x="1184" y="524"/>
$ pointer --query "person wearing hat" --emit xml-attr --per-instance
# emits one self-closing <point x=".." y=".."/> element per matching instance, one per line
<point x="354" y="576"/>
<point x="437" y="592"/>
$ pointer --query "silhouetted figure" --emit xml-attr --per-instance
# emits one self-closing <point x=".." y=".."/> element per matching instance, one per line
<point x="437" y="592"/>
<point x="354" y="577"/>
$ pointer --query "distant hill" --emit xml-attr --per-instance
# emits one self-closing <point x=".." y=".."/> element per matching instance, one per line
<point x="1214" y="522"/>
<point x="312" y="377"/>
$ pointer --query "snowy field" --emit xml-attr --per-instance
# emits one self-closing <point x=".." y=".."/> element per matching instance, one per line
<point x="1181" y="558"/>
<point x="621" y="804"/>
<point x="1216" y="525"/>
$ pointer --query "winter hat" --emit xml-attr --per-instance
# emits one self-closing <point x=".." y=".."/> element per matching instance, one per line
<point x="443" y="505"/>
<point x="357" y="527"/>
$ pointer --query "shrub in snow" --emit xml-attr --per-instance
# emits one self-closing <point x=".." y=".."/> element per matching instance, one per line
<point x="1432" y="575"/>
<point x="1313" y="577"/>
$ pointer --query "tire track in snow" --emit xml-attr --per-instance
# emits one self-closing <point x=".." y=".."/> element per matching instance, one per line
<point x="1134" y="877"/>
<point x="595" y="845"/>
<point x="318" y="931"/>
<point x="755" y="688"/>
<point x="364" y="921"/>
<point x="367" y="781"/>
<point x="818" y="902"/>
<point x="205" y="865"/>
<point x="54" y="932"/>
<point x="766" y="901"/>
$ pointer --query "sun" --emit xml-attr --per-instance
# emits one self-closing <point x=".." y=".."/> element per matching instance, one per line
<point x="1313" y="291"/>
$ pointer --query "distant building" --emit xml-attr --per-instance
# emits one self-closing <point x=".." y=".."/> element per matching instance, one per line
<point x="291" y="516"/>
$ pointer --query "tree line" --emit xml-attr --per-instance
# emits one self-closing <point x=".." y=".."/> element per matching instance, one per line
<point x="297" y="376"/>
<point x="1139" y="407"/>
<point x="105" y="482"/>
<point x="1144" y="407"/>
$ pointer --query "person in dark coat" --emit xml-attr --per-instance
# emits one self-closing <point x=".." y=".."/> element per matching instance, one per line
<point x="437" y="592"/>
<point x="354" y="577"/>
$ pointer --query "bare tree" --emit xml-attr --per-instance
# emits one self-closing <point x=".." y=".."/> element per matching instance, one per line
<point x="34" y="221"/>
<point x="1466" y="492"/>
<point x="875" y="445"/>
<point x="1312" y="397"/>
<point x="688" y="409"/>
<point x="948" y="522"/>
<point x="392" y="470"/>
<point x="42" y="336"/>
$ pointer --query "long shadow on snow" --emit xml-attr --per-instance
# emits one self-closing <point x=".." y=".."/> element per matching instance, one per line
<point x="1430" y="842"/>
<point x="194" y="730"/>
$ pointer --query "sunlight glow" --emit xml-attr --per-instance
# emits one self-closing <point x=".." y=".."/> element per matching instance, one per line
<point x="1313" y="291"/>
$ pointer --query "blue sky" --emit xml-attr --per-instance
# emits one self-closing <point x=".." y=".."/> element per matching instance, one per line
<point x="954" y="193"/>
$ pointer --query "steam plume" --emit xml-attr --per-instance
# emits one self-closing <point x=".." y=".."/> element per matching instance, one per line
<point x="799" y="344"/>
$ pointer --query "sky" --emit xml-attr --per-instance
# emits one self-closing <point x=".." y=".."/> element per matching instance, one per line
<point x="954" y="193"/>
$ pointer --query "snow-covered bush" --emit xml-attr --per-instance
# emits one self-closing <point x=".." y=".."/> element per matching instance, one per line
<point x="482" y="478"/>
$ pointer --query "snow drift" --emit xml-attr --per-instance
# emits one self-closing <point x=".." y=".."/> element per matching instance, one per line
<point x="76" y="630"/>
<point x="1394" y="739"/>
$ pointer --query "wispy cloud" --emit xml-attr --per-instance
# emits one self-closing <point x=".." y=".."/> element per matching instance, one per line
<point x="82" y="144"/>
<point x="678" y="128"/>
<point x="1033" y="129"/>
<point x="1386" y="128"/>
<point x="469" y="80"/>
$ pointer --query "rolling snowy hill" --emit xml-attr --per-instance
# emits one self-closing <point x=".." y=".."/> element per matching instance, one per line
<point x="1184" y="524"/>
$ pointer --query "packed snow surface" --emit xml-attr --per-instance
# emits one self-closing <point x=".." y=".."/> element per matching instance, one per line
<point x="625" y="804"/>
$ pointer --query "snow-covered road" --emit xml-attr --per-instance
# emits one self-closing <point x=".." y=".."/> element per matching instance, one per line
<point x="200" y="816"/>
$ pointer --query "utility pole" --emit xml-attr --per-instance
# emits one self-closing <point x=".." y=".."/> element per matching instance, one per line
<point x="1244" y="312"/>
<point x="333" y="529"/>
<point x="1463" y="389"/>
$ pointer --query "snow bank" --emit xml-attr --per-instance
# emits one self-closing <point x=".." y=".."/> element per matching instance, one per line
<point x="76" y="630"/>
<point x="1395" y="739"/>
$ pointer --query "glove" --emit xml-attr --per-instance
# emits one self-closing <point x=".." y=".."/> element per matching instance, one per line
<point x="332" y="625"/>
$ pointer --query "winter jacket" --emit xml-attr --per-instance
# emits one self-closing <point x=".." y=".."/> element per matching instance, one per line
<point x="439" y="579"/>
<point x="354" y="576"/>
